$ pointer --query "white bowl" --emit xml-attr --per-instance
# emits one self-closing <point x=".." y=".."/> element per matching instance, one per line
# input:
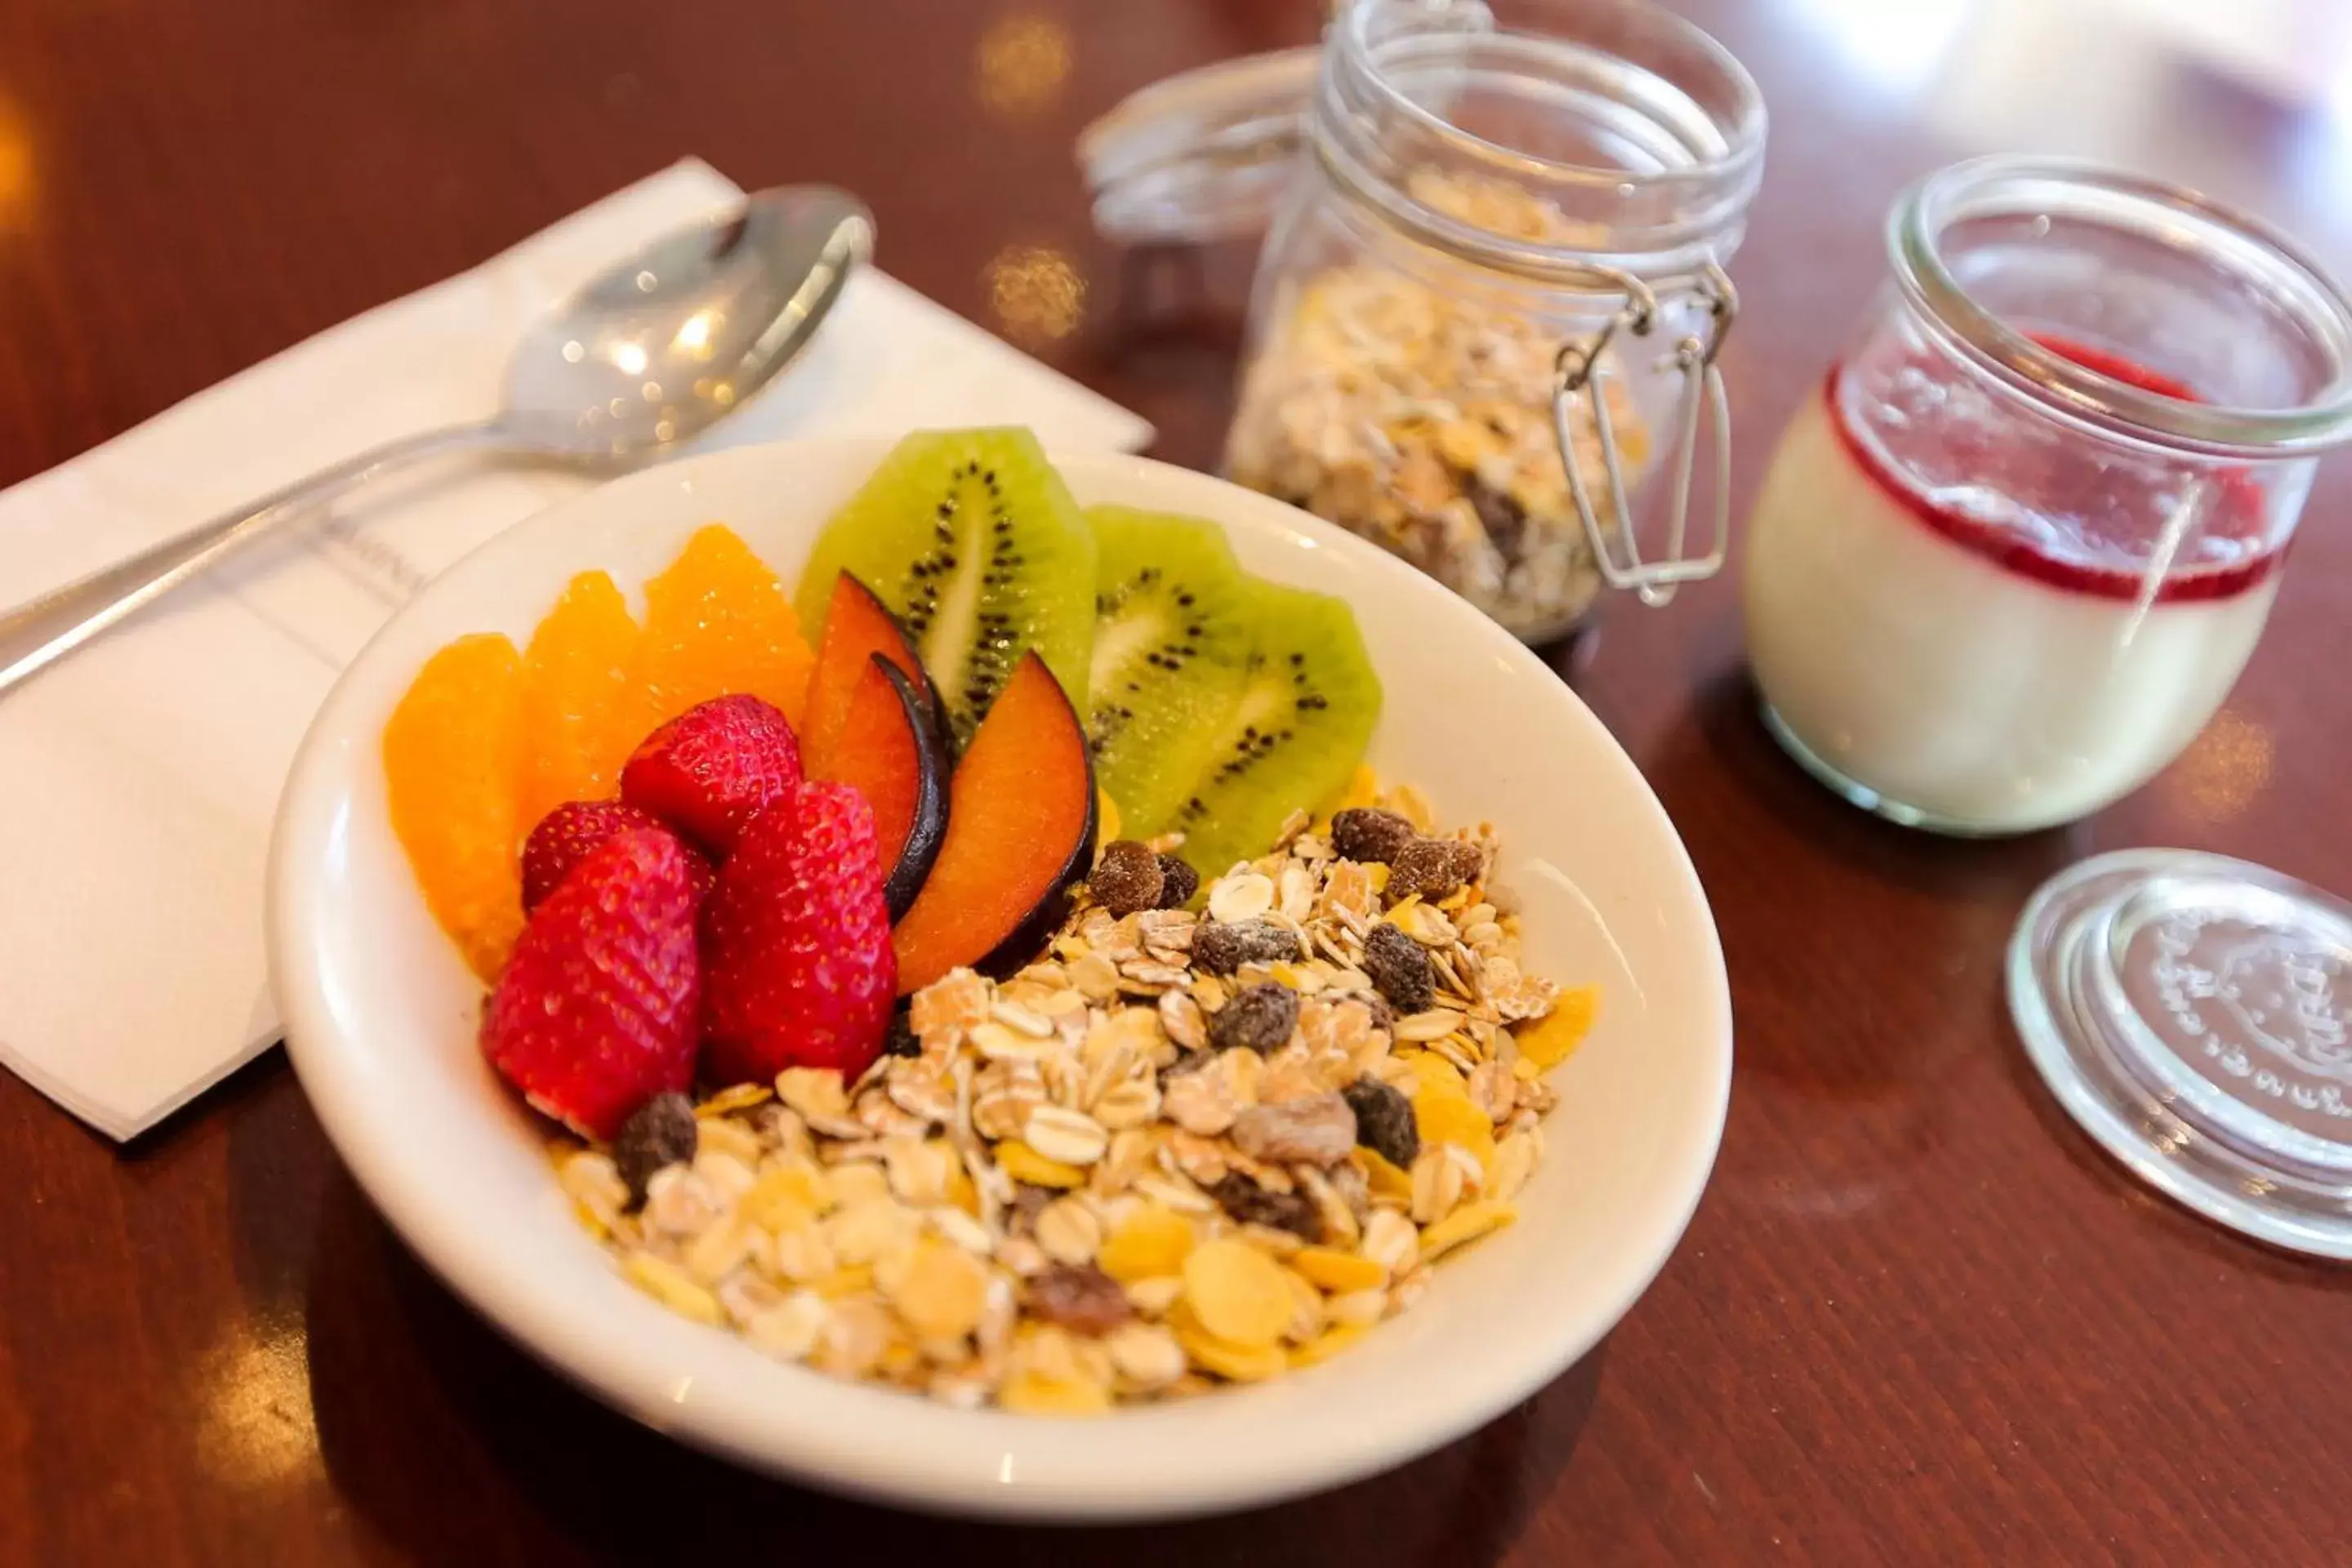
<point x="380" y="1015"/>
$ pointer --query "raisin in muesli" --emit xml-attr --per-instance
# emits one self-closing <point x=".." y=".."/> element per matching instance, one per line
<point x="1259" y="1019"/>
<point x="1219" y="949"/>
<point x="661" y="1131"/>
<point x="1128" y="879"/>
<point x="1369" y="834"/>
<point x="1400" y="968"/>
<point x="1384" y="1122"/>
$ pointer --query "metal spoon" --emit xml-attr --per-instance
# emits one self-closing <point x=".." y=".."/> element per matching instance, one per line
<point x="650" y="354"/>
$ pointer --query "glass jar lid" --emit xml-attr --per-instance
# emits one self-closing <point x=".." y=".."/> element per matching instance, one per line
<point x="2189" y="1012"/>
<point x="2164" y="255"/>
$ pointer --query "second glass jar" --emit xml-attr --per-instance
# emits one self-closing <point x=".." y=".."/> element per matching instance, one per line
<point x="2011" y="557"/>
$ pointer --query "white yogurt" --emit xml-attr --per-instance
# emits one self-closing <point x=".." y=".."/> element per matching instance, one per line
<point x="1970" y="693"/>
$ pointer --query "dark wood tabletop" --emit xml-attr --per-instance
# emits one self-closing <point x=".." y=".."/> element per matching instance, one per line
<point x="1918" y="1318"/>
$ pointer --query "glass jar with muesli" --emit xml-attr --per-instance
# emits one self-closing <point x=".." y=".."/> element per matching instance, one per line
<point x="1490" y="305"/>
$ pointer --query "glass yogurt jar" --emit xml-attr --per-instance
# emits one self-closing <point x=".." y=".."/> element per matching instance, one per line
<point x="1488" y="306"/>
<point x="2011" y="557"/>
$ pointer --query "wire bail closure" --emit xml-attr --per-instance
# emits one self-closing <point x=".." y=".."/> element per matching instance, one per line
<point x="1577" y="370"/>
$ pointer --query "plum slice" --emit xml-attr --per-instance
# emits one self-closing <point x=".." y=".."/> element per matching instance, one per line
<point x="1021" y="832"/>
<point x="887" y="745"/>
<point x="857" y="626"/>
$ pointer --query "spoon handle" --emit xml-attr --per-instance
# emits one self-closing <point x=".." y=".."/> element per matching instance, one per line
<point x="74" y="614"/>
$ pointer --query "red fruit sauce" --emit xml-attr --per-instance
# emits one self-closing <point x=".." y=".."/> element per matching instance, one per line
<point x="2098" y="525"/>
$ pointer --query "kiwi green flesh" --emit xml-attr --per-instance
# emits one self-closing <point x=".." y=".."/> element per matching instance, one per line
<point x="972" y="541"/>
<point x="1173" y="633"/>
<point x="1296" y="735"/>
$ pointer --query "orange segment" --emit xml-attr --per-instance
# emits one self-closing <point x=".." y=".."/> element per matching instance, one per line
<point x="579" y="716"/>
<point x="717" y="622"/>
<point x="452" y="765"/>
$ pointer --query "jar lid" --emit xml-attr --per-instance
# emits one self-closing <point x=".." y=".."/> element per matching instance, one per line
<point x="1204" y="154"/>
<point x="1199" y="155"/>
<point x="2189" y="1012"/>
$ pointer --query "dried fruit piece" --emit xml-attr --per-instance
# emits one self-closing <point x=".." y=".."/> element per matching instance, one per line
<point x="1465" y="1224"/>
<point x="1381" y="1178"/>
<point x="1432" y="867"/>
<point x="573" y="831"/>
<point x="1023" y="1163"/>
<point x="1127" y="879"/>
<point x="1338" y="1272"/>
<point x="1040" y="1394"/>
<point x="718" y="623"/>
<point x="594" y="1015"/>
<point x="1384" y="1122"/>
<point x="1549" y="1043"/>
<point x="662" y="1132"/>
<point x="1178" y="882"/>
<point x="1399" y="967"/>
<point x="1445" y="1115"/>
<point x="941" y="1290"/>
<point x="453" y="769"/>
<point x="1083" y="1300"/>
<point x="1369" y="834"/>
<point x="580" y="703"/>
<point x="1312" y="1129"/>
<point x="1152" y="1243"/>
<point x="673" y="1287"/>
<point x="1236" y="1292"/>
<point x="712" y="769"/>
<point x="1220" y="949"/>
<point x="1259" y="1018"/>
<point x="800" y="972"/>
<point x="1235" y="1363"/>
<point x="1325" y="1345"/>
<point x="1252" y="1205"/>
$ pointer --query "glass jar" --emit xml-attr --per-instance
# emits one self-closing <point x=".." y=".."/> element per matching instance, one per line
<point x="2012" y="556"/>
<point x="1493" y="291"/>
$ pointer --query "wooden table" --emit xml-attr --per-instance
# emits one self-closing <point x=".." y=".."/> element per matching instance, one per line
<point x="1917" y="1318"/>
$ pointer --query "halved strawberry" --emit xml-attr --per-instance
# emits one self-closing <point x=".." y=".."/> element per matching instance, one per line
<point x="575" y="830"/>
<point x="797" y="966"/>
<point x="596" y="1013"/>
<point x="712" y="769"/>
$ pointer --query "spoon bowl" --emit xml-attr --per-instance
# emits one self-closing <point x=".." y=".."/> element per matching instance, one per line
<point x="662" y="346"/>
<point x="657" y="350"/>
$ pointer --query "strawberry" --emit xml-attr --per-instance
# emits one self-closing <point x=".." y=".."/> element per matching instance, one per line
<point x="595" y="1013"/>
<point x="566" y="836"/>
<point x="711" y="769"/>
<point x="797" y="964"/>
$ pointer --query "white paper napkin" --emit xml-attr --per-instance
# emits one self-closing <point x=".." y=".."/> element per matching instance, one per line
<point x="138" y="778"/>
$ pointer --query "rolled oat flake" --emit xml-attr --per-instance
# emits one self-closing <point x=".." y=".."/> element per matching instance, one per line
<point x="1476" y="329"/>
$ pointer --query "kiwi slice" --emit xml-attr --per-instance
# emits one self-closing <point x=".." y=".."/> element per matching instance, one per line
<point x="971" y="538"/>
<point x="1295" y="736"/>
<point x="1172" y="640"/>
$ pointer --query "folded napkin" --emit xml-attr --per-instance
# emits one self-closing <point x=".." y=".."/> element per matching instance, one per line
<point x="141" y="774"/>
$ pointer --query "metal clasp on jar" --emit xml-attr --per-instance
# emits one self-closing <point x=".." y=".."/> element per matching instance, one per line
<point x="1579" y="370"/>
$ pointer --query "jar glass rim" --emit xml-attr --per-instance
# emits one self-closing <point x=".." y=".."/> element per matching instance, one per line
<point x="2001" y="186"/>
<point x="1355" y="58"/>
